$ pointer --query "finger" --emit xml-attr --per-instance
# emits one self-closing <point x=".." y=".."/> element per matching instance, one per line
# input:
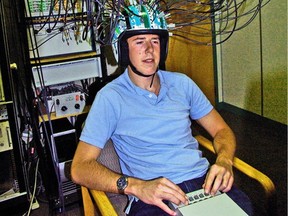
<point x="229" y="185"/>
<point x="209" y="181"/>
<point x="227" y="181"/>
<point x="165" y="208"/>
<point x="226" y="178"/>
<point x="222" y="182"/>
<point x="172" y="198"/>
<point x="216" y="184"/>
<point x="174" y="187"/>
<point x="174" y="193"/>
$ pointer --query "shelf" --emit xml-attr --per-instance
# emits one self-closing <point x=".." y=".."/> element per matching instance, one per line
<point x="62" y="58"/>
<point x="5" y="102"/>
<point x="54" y="117"/>
<point x="62" y="18"/>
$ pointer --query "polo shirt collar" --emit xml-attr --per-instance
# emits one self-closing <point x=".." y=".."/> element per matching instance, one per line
<point x="154" y="99"/>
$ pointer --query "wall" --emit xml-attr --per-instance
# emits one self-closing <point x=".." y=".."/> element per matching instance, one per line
<point x="194" y="60"/>
<point x="252" y="65"/>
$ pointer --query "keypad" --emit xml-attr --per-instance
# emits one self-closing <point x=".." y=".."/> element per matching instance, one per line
<point x="196" y="196"/>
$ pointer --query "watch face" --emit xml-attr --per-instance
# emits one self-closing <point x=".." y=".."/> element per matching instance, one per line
<point x="122" y="183"/>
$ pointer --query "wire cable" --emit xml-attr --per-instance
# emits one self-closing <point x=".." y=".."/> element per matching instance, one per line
<point x="34" y="190"/>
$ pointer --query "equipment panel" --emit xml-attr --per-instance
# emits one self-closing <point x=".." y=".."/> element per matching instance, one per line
<point x="5" y="137"/>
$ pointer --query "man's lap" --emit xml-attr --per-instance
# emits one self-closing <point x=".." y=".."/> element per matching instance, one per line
<point x="140" y="208"/>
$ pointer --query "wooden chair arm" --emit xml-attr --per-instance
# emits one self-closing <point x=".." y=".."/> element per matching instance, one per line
<point x="101" y="200"/>
<point x="88" y="205"/>
<point x="245" y="168"/>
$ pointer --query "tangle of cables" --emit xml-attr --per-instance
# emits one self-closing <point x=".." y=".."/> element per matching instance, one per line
<point x="199" y="21"/>
<point x="205" y="22"/>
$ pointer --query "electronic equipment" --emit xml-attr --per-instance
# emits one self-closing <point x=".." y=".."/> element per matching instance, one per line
<point x="51" y="37"/>
<point x="63" y="39"/>
<point x="68" y="104"/>
<point x="202" y="204"/>
<point x="65" y="143"/>
<point x="67" y="71"/>
<point x="3" y="112"/>
<point x="5" y="137"/>
<point x="43" y="7"/>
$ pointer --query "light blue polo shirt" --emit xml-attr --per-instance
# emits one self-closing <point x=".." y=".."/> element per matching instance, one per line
<point x="151" y="134"/>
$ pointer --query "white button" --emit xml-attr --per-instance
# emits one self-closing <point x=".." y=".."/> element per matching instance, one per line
<point x="150" y="95"/>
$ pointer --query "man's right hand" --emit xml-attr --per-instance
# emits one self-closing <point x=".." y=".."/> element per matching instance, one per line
<point x="153" y="192"/>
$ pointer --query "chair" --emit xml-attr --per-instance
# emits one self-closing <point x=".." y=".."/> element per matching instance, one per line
<point x="107" y="204"/>
<point x="103" y="201"/>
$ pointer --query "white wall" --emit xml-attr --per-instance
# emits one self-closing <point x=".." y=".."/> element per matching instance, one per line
<point x="252" y="65"/>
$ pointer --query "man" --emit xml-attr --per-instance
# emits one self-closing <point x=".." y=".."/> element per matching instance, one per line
<point x="146" y="112"/>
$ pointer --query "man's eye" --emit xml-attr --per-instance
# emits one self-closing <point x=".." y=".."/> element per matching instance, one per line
<point x="155" y="41"/>
<point x="139" y="42"/>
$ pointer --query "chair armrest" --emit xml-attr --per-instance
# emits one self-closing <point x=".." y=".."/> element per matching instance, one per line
<point x="101" y="200"/>
<point x="88" y="205"/>
<point x="245" y="168"/>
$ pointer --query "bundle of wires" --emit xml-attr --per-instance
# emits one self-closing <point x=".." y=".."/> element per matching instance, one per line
<point x="205" y="22"/>
<point x="200" y="21"/>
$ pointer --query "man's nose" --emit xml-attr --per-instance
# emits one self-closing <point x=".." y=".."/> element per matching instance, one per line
<point x="149" y="46"/>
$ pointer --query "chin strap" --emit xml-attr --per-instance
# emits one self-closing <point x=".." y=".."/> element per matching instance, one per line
<point x="141" y="74"/>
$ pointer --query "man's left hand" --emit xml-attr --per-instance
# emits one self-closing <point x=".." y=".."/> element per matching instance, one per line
<point x="219" y="177"/>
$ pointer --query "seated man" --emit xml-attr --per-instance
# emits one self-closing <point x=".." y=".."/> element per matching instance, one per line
<point x="147" y="113"/>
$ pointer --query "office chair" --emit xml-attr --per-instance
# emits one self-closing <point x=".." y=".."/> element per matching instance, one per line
<point x="107" y="204"/>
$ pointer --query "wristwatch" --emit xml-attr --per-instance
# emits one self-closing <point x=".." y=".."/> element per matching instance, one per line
<point x="122" y="183"/>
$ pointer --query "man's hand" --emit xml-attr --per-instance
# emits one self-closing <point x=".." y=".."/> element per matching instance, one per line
<point x="220" y="176"/>
<point x="153" y="192"/>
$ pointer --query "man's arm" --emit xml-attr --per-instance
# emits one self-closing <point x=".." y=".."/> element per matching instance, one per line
<point x="88" y="172"/>
<point x="220" y="176"/>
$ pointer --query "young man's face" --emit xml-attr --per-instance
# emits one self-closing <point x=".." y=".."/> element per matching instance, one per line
<point x="144" y="52"/>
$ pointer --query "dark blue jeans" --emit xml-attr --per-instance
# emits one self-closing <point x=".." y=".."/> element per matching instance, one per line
<point x="142" y="209"/>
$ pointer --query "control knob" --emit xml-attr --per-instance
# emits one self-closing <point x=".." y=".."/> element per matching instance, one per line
<point x="64" y="108"/>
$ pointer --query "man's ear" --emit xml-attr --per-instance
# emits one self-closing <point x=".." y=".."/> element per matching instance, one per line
<point x="123" y="55"/>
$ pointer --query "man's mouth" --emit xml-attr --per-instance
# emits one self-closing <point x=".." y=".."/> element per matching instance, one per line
<point x="149" y="60"/>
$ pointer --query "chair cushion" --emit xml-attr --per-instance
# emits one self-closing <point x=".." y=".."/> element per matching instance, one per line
<point x="109" y="158"/>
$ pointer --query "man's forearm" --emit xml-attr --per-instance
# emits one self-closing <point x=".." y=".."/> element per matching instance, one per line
<point x="225" y="144"/>
<point x="94" y="175"/>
